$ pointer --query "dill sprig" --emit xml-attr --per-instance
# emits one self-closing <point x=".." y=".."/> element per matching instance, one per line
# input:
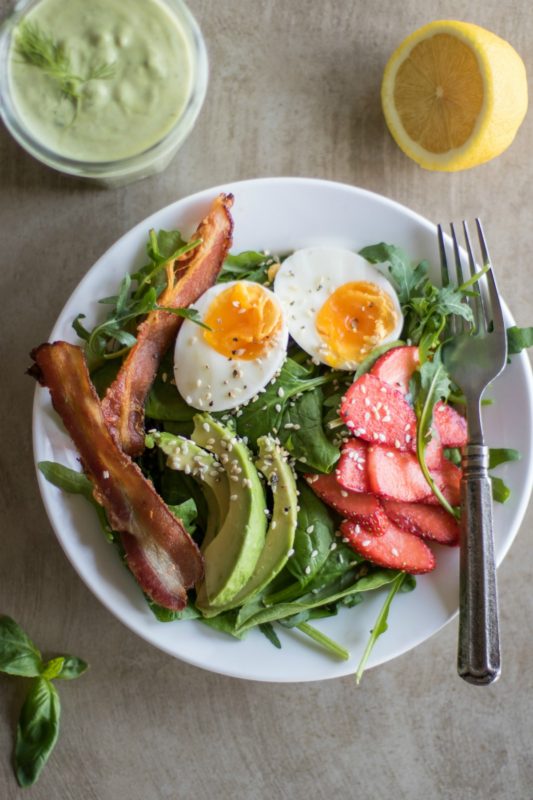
<point x="40" y="50"/>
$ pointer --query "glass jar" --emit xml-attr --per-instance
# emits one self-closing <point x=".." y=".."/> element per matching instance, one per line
<point x="118" y="171"/>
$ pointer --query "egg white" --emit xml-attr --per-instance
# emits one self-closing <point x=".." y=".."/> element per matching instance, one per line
<point x="209" y="381"/>
<point x="308" y="277"/>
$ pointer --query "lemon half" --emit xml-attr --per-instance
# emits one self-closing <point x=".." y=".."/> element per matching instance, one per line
<point x="454" y="95"/>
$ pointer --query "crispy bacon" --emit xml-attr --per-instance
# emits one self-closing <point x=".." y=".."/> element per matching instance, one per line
<point x="159" y="551"/>
<point x="123" y="405"/>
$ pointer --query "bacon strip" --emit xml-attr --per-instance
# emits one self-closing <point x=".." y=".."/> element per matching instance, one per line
<point x="159" y="551"/>
<point x="123" y="404"/>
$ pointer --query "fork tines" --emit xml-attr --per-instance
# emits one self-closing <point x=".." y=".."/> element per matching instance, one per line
<point x="484" y="300"/>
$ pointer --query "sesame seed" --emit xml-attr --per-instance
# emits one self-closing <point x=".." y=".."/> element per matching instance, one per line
<point x="233" y="497"/>
<point x="314" y="553"/>
<point x="307" y="570"/>
<point x="363" y="389"/>
<point x="407" y="438"/>
<point x="278" y="407"/>
<point x="105" y="474"/>
<point x="397" y="443"/>
<point x="273" y="524"/>
<point x="344" y="493"/>
<point x="395" y="552"/>
<point x="199" y="382"/>
<point x="333" y="546"/>
<point x="366" y="543"/>
<point x="310" y="529"/>
<point x="281" y="392"/>
<point x="383" y="389"/>
<point x="206" y="427"/>
<point x="188" y="400"/>
<point x="291" y="552"/>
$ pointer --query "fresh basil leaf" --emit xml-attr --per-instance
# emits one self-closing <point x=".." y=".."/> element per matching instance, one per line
<point x="37" y="731"/>
<point x="501" y="455"/>
<point x="18" y="654"/>
<point x="72" y="668"/>
<point x="53" y="667"/>
<point x="519" y="339"/>
<point x="500" y="491"/>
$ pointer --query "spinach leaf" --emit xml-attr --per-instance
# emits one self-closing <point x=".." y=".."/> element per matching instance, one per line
<point x="501" y="455"/>
<point x="75" y="483"/>
<point x="166" y="615"/>
<point x="519" y="339"/>
<point x="267" y="629"/>
<point x="187" y="513"/>
<point x="164" y="403"/>
<point x="302" y="433"/>
<point x="37" y="731"/>
<point x="380" y="626"/>
<point x="265" y="414"/>
<point x="248" y="265"/>
<point x="18" y="654"/>
<point x="313" y="538"/>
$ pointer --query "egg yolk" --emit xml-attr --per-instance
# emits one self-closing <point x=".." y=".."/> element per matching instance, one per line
<point x="354" y="319"/>
<point x="244" y="319"/>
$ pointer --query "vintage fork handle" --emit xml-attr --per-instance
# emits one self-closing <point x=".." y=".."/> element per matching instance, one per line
<point x="478" y="659"/>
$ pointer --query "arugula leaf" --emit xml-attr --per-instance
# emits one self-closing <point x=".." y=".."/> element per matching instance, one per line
<point x="381" y="625"/>
<point x="18" y="654"/>
<point x="324" y="641"/>
<point x="501" y="455"/>
<point x="500" y="491"/>
<point x="405" y="277"/>
<point x="37" y="731"/>
<point x="429" y="384"/>
<point x="519" y="339"/>
<point x="75" y="483"/>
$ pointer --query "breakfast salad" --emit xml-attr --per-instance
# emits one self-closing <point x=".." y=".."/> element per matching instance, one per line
<point x="266" y="437"/>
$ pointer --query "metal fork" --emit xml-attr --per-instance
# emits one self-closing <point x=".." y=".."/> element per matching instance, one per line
<point x="474" y="356"/>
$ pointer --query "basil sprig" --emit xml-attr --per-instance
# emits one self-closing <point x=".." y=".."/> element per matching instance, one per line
<point x="38" y="725"/>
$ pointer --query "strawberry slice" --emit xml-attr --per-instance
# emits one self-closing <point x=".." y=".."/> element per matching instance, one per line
<point x="450" y="425"/>
<point x="423" y="520"/>
<point x="396" y="367"/>
<point x="363" y="509"/>
<point x="395" y="549"/>
<point x="396" y="475"/>
<point x="351" y="468"/>
<point x="376" y="412"/>
<point x="448" y="479"/>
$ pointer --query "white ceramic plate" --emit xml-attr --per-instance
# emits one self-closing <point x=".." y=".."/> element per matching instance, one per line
<point x="279" y="214"/>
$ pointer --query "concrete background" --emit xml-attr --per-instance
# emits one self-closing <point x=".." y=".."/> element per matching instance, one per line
<point x="294" y="90"/>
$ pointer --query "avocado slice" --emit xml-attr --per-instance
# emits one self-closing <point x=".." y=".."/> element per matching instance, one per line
<point x="231" y="557"/>
<point x="273" y="464"/>
<point x="186" y="456"/>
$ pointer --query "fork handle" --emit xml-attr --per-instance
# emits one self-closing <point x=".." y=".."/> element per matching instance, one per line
<point x="478" y="659"/>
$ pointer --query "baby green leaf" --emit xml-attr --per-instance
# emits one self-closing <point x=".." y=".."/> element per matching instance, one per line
<point x="501" y="455"/>
<point x="518" y="339"/>
<point x="381" y="625"/>
<point x="18" y="654"/>
<point x="500" y="491"/>
<point x="405" y="277"/>
<point x="37" y="731"/>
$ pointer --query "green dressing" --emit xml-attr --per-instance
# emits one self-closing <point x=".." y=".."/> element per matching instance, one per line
<point x="118" y="116"/>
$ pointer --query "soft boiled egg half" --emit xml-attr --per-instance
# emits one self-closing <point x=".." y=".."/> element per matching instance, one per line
<point x="244" y="346"/>
<point x="338" y="306"/>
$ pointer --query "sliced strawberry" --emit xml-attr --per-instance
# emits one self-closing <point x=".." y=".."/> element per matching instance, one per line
<point x="396" y="367"/>
<point x="396" y="475"/>
<point x="423" y="520"/>
<point x="448" y="479"/>
<point x="351" y="468"/>
<point x="376" y="412"/>
<point x="363" y="509"/>
<point x="450" y="425"/>
<point x="434" y="453"/>
<point x="395" y="549"/>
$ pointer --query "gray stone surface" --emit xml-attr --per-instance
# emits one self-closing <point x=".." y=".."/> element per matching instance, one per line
<point x="294" y="90"/>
